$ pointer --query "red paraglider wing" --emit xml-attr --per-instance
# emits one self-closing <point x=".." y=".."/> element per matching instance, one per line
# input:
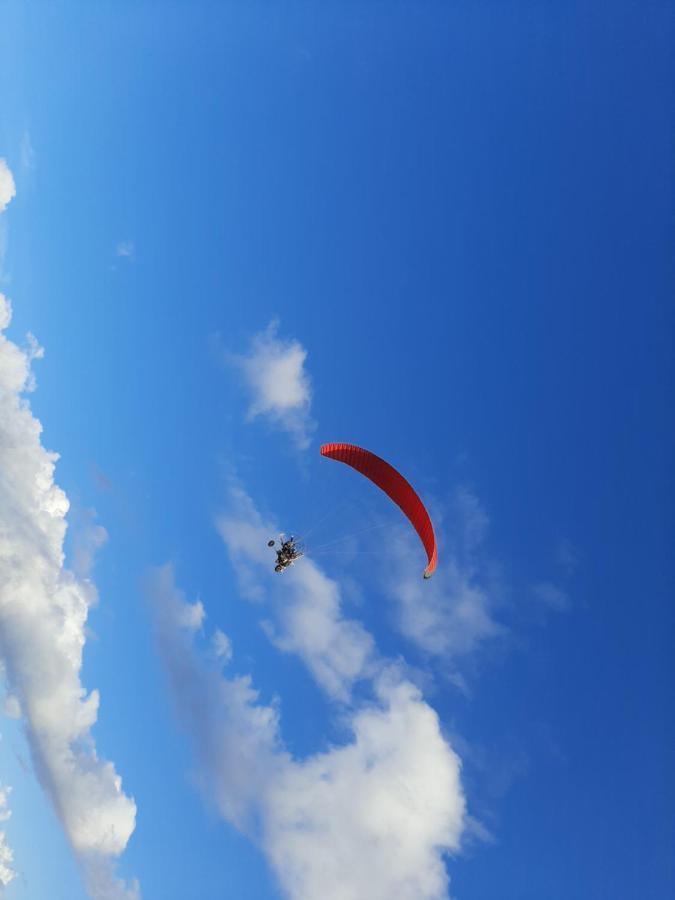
<point x="395" y="487"/>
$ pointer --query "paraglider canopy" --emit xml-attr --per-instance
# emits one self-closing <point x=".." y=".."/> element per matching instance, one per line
<point x="395" y="486"/>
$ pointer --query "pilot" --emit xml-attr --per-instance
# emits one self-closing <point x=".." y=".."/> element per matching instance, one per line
<point x="286" y="554"/>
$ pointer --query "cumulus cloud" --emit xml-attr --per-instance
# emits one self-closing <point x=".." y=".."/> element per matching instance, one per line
<point x="452" y="613"/>
<point x="7" y="187"/>
<point x="7" y="873"/>
<point x="279" y="387"/>
<point x="306" y="603"/>
<point x="43" y="611"/>
<point x="372" y="818"/>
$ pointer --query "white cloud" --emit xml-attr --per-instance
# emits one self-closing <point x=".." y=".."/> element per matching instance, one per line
<point x="452" y="613"/>
<point x="372" y="818"/>
<point x="336" y="650"/>
<point x="307" y="605"/>
<point x="11" y="707"/>
<point x="7" y="873"/>
<point x="280" y="389"/>
<point x="448" y="616"/>
<point x="43" y="611"/>
<point x="7" y="187"/>
<point x="245" y="533"/>
<point x="236" y="740"/>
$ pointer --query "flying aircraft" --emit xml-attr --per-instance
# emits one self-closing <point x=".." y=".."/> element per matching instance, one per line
<point x="394" y="485"/>
<point x="287" y="553"/>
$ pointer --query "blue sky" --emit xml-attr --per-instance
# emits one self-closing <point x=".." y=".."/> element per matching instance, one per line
<point x="443" y="232"/>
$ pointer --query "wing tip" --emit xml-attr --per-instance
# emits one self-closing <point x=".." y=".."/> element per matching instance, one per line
<point x="431" y="568"/>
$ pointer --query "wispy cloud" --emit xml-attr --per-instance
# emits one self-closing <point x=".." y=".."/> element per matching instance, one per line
<point x="235" y="738"/>
<point x="552" y="596"/>
<point x="7" y="873"/>
<point x="43" y="611"/>
<point x="372" y="818"/>
<point x="7" y="186"/>
<point x="126" y="250"/>
<point x="453" y="613"/>
<point x="308" y="619"/>
<point x="221" y="646"/>
<point x="89" y="537"/>
<point x="279" y="386"/>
